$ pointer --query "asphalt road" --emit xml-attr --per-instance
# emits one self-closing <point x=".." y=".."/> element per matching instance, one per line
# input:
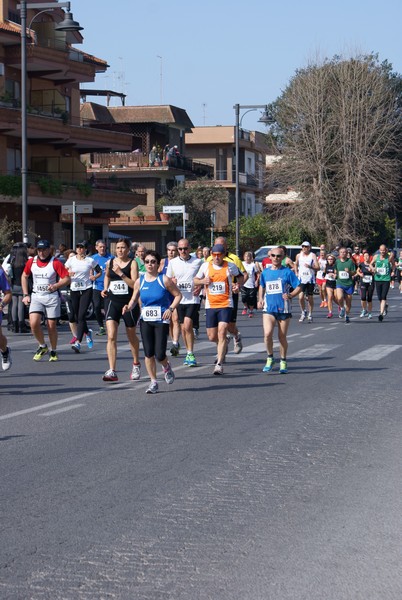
<point x="249" y="486"/>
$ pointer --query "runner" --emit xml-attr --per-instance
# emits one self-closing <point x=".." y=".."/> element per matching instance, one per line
<point x="274" y="297"/>
<point x="72" y="321"/>
<point x="383" y="265"/>
<point x="320" y="279"/>
<point x="102" y="256"/>
<point x="345" y="270"/>
<point x="5" y="350"/>
<point x="232" y="328"/>
<point x="306" y="266"/>
<point x="174" y="325"/>
<point x="330" y="283"/>
<point x="217" y="275"/>
<point x="182" y="270"/>
<point x="121" y="273"/>
<point x="48" y="276"/>
<point x="83" y="271"/>
<point x="249" y="289"/>
<point x="399" y="271"/>
<point x="18" y="260"/>
<point x="155" y="292"/>
<point x="139" y="258"/>
<point x="366" y="272"/>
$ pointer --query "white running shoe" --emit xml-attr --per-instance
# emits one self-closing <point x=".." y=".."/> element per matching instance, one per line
<point x="135" y="373"/>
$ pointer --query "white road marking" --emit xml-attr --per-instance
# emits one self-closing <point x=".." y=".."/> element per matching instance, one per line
<point x="316" y="350"/>
<point x="60" y="410"/>
<point x="307" y="335"/>
<point x="316" y="328"/>
<point x="375" y="353"/>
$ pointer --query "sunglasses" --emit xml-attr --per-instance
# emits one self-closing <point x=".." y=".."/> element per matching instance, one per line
<point x="183" y="248"/>
<point x="276" y="255"/>
<point x="150" y="262"/>
<point x="216" y="253"/>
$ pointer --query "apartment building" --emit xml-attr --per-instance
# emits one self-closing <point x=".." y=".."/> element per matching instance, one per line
<point x="56" y="136"/>
<point x="217" y="146"/>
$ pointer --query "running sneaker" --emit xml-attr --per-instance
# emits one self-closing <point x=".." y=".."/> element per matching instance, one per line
<point x="329" y="315"/>
<point x="6" y="361"/>
<point x="385" y="310"/>
<point x="325" y="304"/>
<point x="174" y="350"/>
<point x="322" y="304"/>
<point x="380" y="317"/>
<point x="89" y="339"/>
<point x="110" y="375"/>
<point x="76" y="347"/>
<point x="53" y="356"/>
<point x="347" y="320"/>
<point x="168" y="374"/>
<point x="303" y="316"/>
<point x="218" y="370"/>
<point x="191" y="361"/>
<point x="152" y="388"/>
<point x="196" y="333"/>
<point x="310" y="318"/>
<point x="40" y="353"/>
<point x="73" y="340"/>
<point x="238" y="344"/>
<point x="269" y="364"/>
<point x="283" y="367"/>
<point x="244" y="311"/>
<point x="250" y="314"/>
<point x="369" y="316"/>
<point x="342" y="312"/>
<point x="102" y="331"/>
<point x="363" y="313"/>
<point x="135" y="372"/>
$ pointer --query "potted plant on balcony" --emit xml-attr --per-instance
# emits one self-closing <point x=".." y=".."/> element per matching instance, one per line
<point x="140" y="214"/>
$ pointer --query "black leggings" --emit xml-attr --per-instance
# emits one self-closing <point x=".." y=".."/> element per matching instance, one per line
<point x="382" y="288"/>
<point x="154" y="339"/>
<point x="80" y="302"/>
<point x="366" y="291"/>
<point x="98" y="305"/>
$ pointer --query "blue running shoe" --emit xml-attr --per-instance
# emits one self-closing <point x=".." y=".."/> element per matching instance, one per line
<point x="90" y="341"/>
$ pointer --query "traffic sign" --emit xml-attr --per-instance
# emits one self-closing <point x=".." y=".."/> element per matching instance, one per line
<point x="172" y="210"/>
<point x="68" y="209"/>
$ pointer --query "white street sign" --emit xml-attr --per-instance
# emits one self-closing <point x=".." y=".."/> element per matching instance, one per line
<point x="171" y="210"/>
<point x="68" y="209"/>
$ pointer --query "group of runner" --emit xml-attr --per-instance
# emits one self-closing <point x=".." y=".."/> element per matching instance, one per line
<point x="164" y="297"/>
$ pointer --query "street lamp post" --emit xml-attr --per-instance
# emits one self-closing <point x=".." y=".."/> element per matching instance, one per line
<point x="68" y="24"/>
<point x="265" y="118"/>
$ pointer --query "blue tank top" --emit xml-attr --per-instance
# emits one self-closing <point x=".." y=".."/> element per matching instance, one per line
<point x="155" y="294"/>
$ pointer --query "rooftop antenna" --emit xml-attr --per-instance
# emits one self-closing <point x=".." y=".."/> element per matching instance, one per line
<point x="204" y="112"/>
<point x="161" y="78"/>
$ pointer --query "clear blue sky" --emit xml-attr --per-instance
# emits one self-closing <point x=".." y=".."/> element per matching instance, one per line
<point x="221" y="52"/>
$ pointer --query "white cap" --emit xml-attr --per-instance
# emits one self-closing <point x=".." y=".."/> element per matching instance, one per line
<point x="306" y="244"/>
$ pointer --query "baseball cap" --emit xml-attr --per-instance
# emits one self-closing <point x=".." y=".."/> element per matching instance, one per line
<point x="43" y="244"/>
<point x="84" y="244"/>
<point x="306" y="244"/>
<point x="220" y="248"/>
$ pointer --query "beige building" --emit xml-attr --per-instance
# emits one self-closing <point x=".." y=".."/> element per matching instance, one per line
<point x="217" y="146"/>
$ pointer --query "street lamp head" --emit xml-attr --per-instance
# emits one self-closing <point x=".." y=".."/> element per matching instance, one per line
<point x="68" y="23"/>
<point x="266" y="117"/>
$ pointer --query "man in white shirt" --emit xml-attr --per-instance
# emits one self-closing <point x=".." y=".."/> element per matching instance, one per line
<point x="182" y="270"/>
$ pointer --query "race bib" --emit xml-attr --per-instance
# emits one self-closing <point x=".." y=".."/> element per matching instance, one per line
<point x="320" y="275"/>
<point x="151" y="313"/>
<point x="381" y="270"/>
<point x="77" y="286"/>
<point x="273" y="287"/>
<point x="344" y="275"/>
<point x="306" y="272"/>
<point x="367" y="278"/>
<point x="118" y="287"/>
<point x="185" y="286"/>
<point x="217" y="287"/>
<point x="41" y="288"/>
<point x="330" y="276"/>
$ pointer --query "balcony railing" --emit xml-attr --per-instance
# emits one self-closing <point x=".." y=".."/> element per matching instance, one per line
<point x="137" y="160"/>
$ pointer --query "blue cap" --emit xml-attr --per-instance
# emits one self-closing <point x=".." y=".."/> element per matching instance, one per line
<point x="43" y="244"/>
<point x="219" y="248"/>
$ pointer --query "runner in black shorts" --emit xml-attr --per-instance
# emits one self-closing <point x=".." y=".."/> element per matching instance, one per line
<point x="120" y="275"/>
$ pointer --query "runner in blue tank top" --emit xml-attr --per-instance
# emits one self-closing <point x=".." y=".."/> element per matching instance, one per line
<point x="155" y="292"/>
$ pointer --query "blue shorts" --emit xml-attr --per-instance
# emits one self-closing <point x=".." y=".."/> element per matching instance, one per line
<point x="214" y="316"/>
<point x="278" y="316"/>
<point x="346" y="290"/>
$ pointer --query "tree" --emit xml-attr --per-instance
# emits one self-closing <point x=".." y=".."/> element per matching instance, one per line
<point x="200" y="198"/>
<point x="339" y="131"/>
<point x="8" y="229"/>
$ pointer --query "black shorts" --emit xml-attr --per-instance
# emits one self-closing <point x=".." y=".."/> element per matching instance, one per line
<point x="249" y="296"/>
<point x="187" y="310"/>
<point x="114" y="313"/>
<point x="382" y="289"/>
<point x="307" y="288"/>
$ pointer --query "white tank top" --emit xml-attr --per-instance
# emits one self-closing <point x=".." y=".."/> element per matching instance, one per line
<point x="43" y="277"/>
<point x="306" y="271"/>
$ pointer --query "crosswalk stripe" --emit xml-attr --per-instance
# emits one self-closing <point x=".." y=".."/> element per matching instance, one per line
<point x="315" y="350"/>
<point x="375" y="352"/>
